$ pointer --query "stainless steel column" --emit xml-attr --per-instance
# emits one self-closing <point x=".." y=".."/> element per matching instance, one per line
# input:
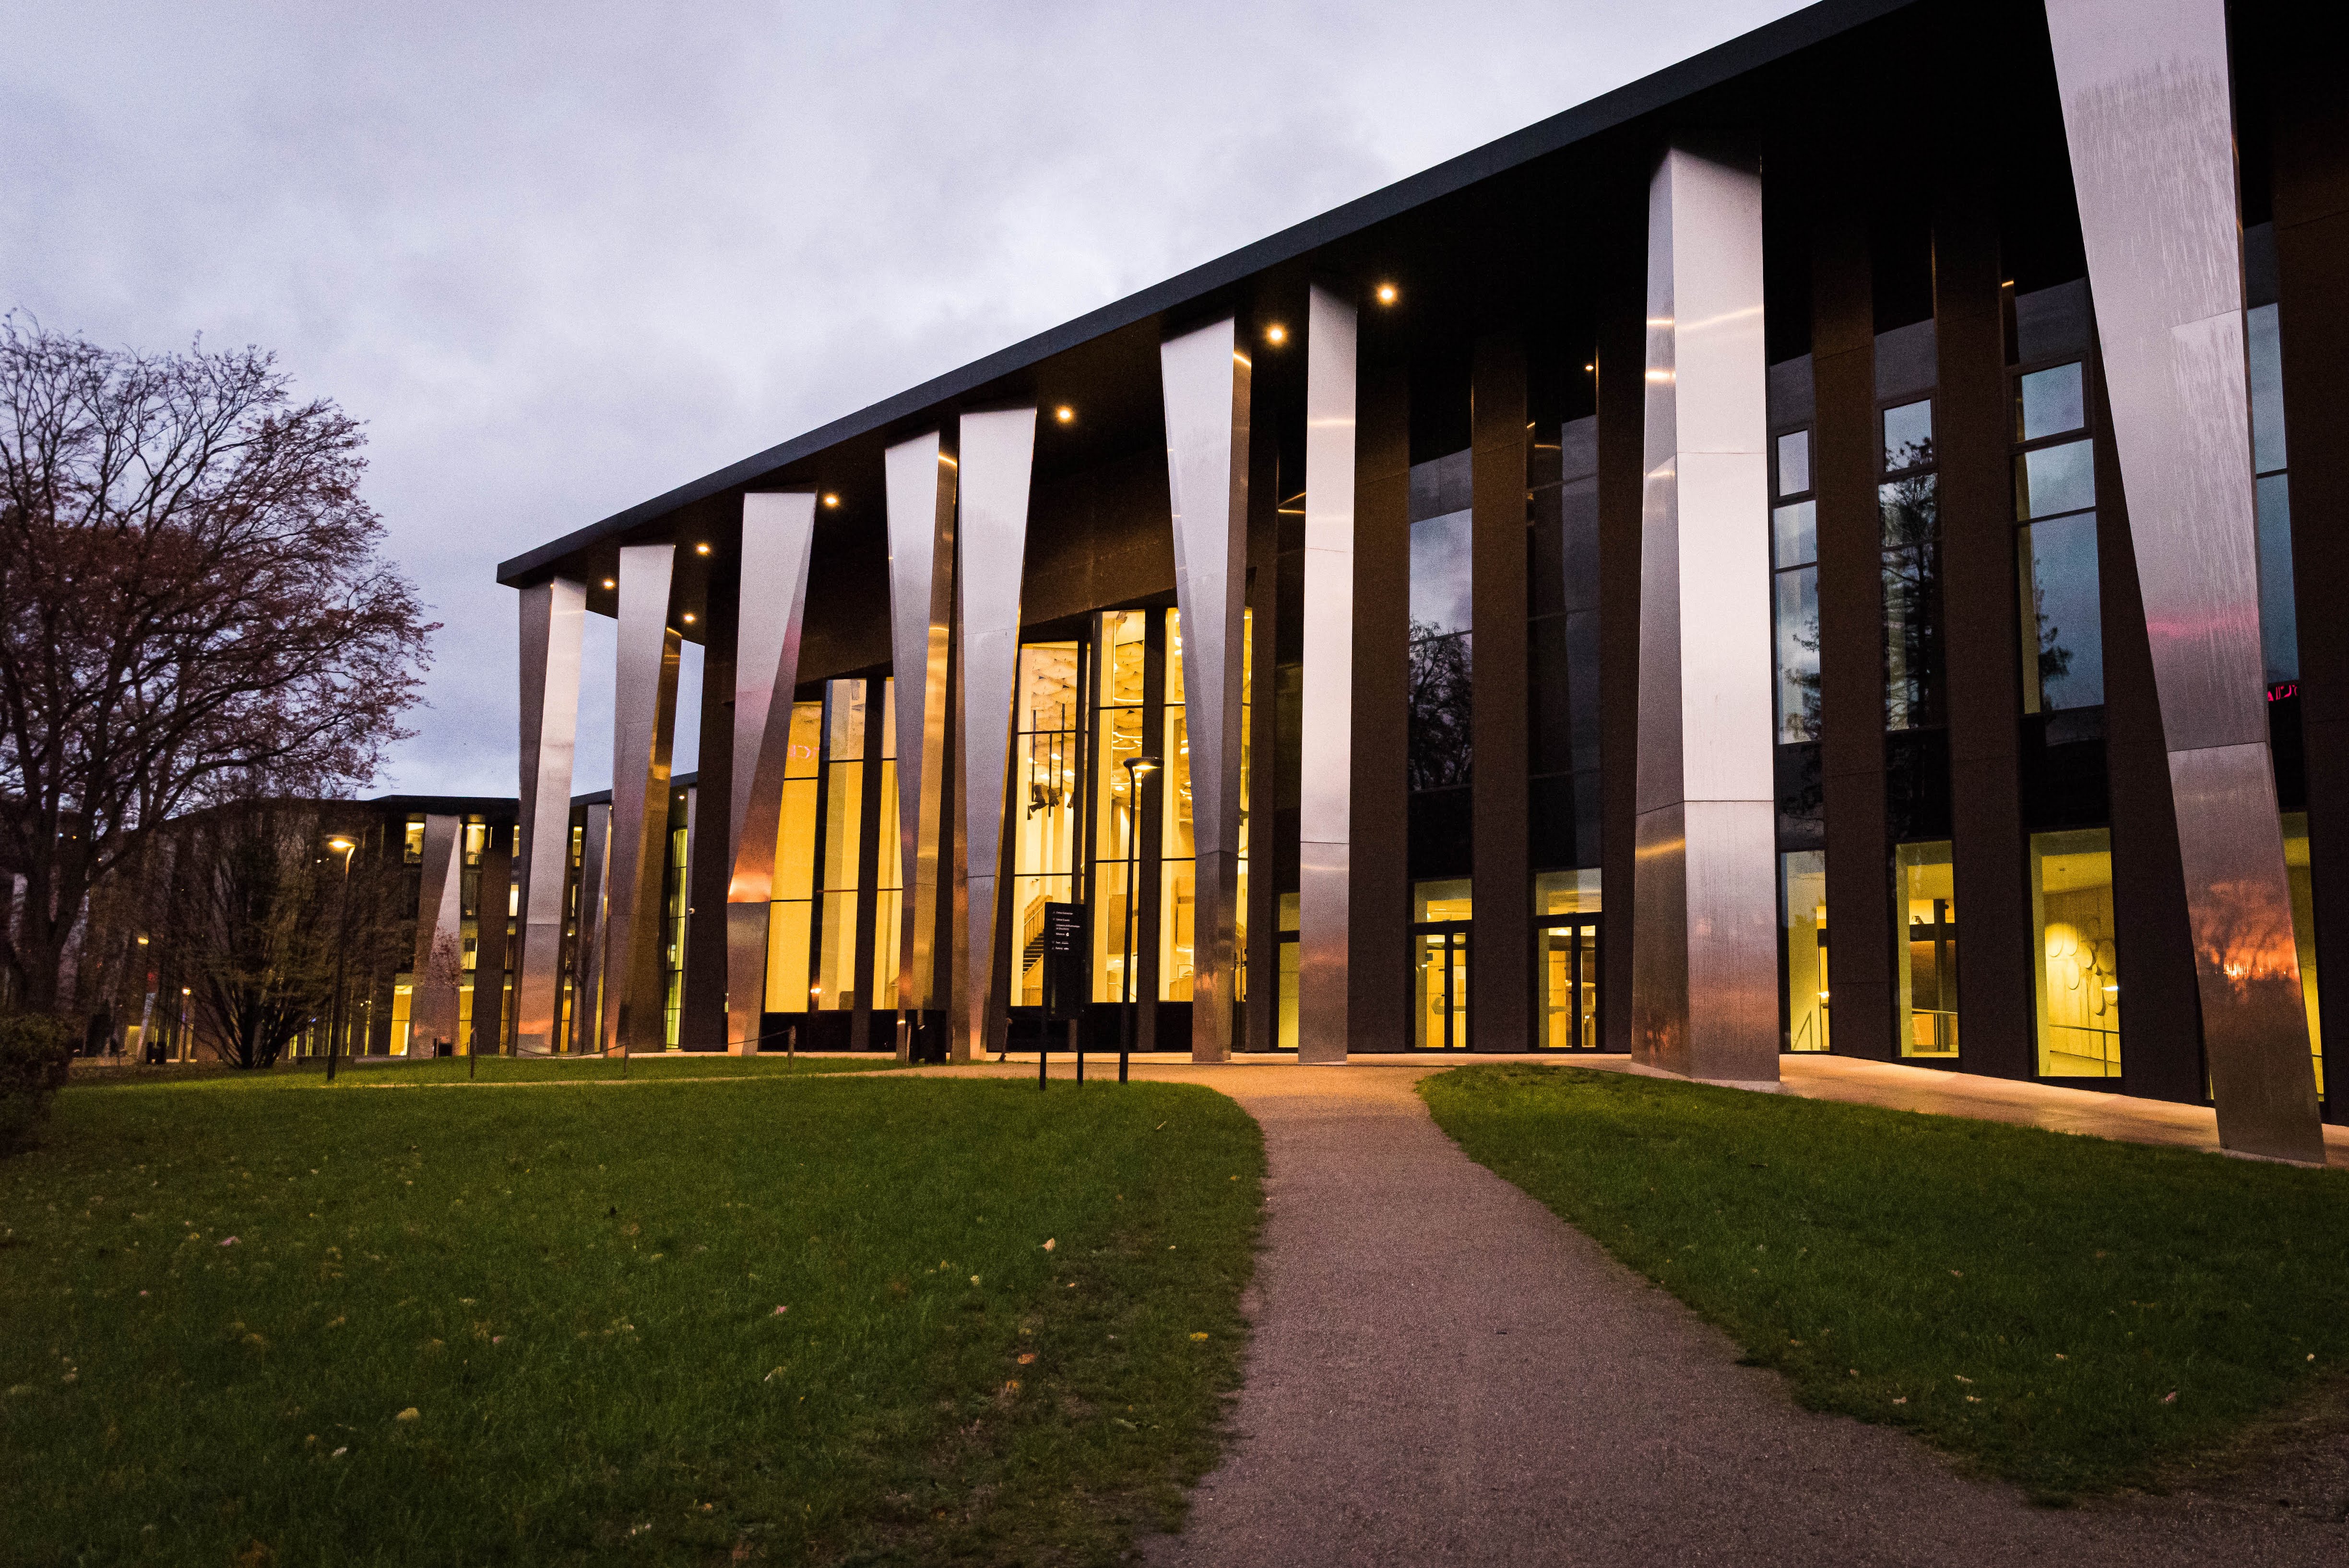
<point x="778" y="537"/>
<point x="554" y="616"/>
<point x="1324" y="789"/>
<point x="1705" y="929"/>
<point x="1206" y="384"/>
<point x="2148" y="116"/>
<point x="439" y="970"/>
<point x="920" y="476"/>
<point x="643" y="723"/>
<point x="997" y="451"/>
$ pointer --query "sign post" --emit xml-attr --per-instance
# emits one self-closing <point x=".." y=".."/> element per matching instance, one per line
<point x="1067" y="983"/>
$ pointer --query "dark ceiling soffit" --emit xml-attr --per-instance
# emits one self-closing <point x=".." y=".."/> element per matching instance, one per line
<point x="1724" y="62"/>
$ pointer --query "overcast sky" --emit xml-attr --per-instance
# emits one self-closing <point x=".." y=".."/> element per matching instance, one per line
<point x="561" y="258"/>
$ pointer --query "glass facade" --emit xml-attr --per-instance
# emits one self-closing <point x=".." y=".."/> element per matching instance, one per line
<point x="1567" y="940"/>
<point x="1909" y="502"/>
<point x="2079" y="962"/>
<point x="1926" y="894"/>
<point x="2303" y="930"/>
<point x="2279" y="611"/>
<point x="1120" y="685"/>
<point x="1177" y="897"/>
<point x="841" y="808"/>
<point x="1802" y="941"/>
<point x="790" y="917"/>
<point x="1046" y="784"/>
<point x="1794" y="588"/>
<point x="1441" y="912"/>
<point x="2055" y="545"/>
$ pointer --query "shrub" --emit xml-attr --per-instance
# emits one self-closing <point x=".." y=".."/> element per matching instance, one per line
<point x="35" y="1052"/>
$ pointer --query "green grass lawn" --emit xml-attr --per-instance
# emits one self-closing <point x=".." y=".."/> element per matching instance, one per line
<point x="542" y="1326"/>
<point x="2070" y="1313"/>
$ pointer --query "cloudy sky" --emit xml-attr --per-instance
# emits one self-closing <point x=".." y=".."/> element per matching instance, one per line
<point x="561" y="258"/>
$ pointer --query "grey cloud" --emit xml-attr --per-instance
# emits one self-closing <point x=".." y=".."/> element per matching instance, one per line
<point x="562" y="258"/>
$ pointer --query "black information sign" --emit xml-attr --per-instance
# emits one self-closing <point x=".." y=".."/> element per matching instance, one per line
<point x="1067" y="978"/>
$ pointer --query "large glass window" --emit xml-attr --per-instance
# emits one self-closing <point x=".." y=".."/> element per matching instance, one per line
<point x="1803" y="934"/>
<point x="1908" y="503"/>
<point x="1562" y="647"/>
<point x="2055" y="542"/>
<point x="1566" y="937"/>
<point x="1045" y="787"/>
<point x="1286" y="1026"/>
<point x="1439" y="754"/>
<point x="2303" y="930"/>
<point x="1794" y="588"/>
<point x="1121" y="665"/>
<point x="790" y="917"/>
<point x="1926" y="900"/>
<point x="2279" y="613"/>
<point x="835" y="987"/>
<point x="888" y="880"/>
<point x="2079" y="963"/>
<point x="1177" y="863"/>
<point x="1440" y="915"/>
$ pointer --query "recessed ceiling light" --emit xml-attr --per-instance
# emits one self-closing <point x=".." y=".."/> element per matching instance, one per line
<point x="1065" y="414"/>
<point x="1389" y="294"/>
<point x="1276" y="334"/>
<point x="688" y="617"/>
<point x="610" y="584"/>
<point x="830" y="499"/>
<point x="701" y="549"/>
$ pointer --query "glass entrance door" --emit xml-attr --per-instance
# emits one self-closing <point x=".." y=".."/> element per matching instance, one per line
<point x="1440" y="986"/>
<point x="1566" y="958"/>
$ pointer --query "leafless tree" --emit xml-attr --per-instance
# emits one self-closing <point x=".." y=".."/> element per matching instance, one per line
<point x="191" y="610"/>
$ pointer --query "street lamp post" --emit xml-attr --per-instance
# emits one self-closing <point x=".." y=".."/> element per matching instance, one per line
<point x="1129" y="991"/>
<point x="342" y="949"/>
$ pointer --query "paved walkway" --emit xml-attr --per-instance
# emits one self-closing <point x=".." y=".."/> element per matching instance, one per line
<point x="1442" y="1372"/>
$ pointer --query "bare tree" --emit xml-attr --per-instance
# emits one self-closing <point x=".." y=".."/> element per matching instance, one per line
<point x="258" y="917"/>
<point x="191" y="610"/>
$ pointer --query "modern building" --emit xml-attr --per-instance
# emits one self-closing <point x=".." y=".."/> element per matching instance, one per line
<point x="1892" y="465"/>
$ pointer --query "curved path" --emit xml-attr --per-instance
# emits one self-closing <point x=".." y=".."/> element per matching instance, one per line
<point x="1443" y="1372"/>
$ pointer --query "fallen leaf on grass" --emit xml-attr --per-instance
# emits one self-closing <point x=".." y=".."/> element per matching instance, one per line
<point x="410" y="1414"/>
<point x="2170" y="1397"/>
<point x="1026" y="1357"/>
<point x="1198" y="1336"/>
<point x="1050" y="1242"/>
<point x="780" y="1311"/>
<point x="231" y="1241"/>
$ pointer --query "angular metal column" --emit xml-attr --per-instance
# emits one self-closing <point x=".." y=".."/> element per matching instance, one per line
<point x="644" y="724"/>
<point x="998" y="454"/>
<point x="920" y="476"/>
<point x="1205" y="383"/>
<point x="1324" y="793"/>
<point x="1704" y="928"/>
<point x="2148" y="116"/>
<point x="554" y="616"/>
<point x="778" y="537"/>
<point x="439" y="969"/>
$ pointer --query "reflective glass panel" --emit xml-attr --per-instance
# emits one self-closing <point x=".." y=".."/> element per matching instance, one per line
<point x="1439" y="575"/>
<point x="1803" y="920"/>
<point x="1794" y="463"/>
<point x="1911" y="511"/>
<point x="2304" y="928"/>
<point x="2049" y="402"/>
<point x="2079" y="964"/>
<point x="1794" y="534"/>
<point x="1796" y="615"/>
<point x="1909" y="436"/>
<point x="2054" y="479"/>
<point x="1925" y="903"/>
<point x="2267" y="390"/>
<point x="2278" y="610"/>
<point x="2063" y="633"/>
